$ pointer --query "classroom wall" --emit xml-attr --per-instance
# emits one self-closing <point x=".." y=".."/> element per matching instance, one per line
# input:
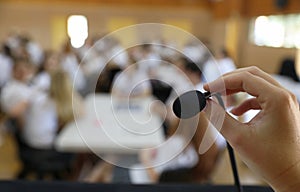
<point x="267" y="58"/>
<point x="47" y="23"/>
<point x="241" y="12"/>
<point x="248" y="54"/>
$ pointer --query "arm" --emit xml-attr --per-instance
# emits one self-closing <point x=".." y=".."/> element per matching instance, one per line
<point x="18" y="109"/>
<point x="270" y="143"/>
<point x="146" y="158"/>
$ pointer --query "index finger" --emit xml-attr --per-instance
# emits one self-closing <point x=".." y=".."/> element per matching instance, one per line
<point x="242" y="82"/>
<point x="256" y="71"/>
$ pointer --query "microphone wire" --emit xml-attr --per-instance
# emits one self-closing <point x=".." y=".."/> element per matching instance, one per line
<point x="231" y="152"/>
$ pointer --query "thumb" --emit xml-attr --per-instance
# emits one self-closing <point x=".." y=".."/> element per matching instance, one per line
<point x="232" y="130"/>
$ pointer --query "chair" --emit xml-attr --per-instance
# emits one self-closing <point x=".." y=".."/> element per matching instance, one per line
<point x="40" y="162"/>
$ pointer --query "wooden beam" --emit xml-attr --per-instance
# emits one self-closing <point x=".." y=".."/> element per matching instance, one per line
<point x="223" y="9"/>
<point x="203" y="4"/>
<point x="226" y="8"/>
<point x="268" y="7"/>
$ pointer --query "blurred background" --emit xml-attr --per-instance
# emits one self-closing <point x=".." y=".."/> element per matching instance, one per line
<point x="253" y="33"/>
<point x="227" y="22"/>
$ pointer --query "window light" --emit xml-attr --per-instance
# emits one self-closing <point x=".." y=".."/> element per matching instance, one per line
<point x="77" y="30"/>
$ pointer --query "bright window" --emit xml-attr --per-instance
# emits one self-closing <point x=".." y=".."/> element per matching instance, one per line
<point x="276" y="31"/>
<point x="77" y="30"/>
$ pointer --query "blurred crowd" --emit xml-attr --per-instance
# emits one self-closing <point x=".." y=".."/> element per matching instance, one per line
<point x="38" y="86"/>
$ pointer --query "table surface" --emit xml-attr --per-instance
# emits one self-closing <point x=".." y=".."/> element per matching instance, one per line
<point x="112" y="125"/>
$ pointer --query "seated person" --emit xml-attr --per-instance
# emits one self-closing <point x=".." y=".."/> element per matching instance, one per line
<point x="179" y="153"/>
<point x="42" y="79"/>
<point x="175" y="154"/>
<point x="132" y="82"/>
<point x="287" y="76"/>
<point x="40" y="115"/>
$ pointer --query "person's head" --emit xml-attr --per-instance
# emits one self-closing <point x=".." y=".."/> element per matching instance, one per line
<point x="23" y="69"/>
<point x="7" y="50"/>
<point x="61" y="93"/>
<point x="189" y="66"/>
<point x="51" y="62"/>
<point x="222" y="53"/>
<point x="191" y="69"/>
<point x="146" y="48"/>
<point x="288" y="69"/>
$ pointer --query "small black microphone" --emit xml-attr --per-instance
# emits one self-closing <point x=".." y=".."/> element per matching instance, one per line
<point x="190" y="103"/>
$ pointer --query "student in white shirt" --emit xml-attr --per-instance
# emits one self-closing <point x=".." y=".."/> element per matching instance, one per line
<point x="132" y="82"/>
<point x="225" y="62"/>
<point x="29" y="107"/>
<point x="16" y="94"/>
<point x="6" y="65"/>
<point x="214" y="68"/>
<point x="42" y="79"/>
<point x="195" y="74"/>
<point x="48" y="113"/>
<point x="149" y="61"/>
<point x="287" y="76"/>
<point x="70" y="64"/>
<point x="39" y="115"/>
<point x="180" y="150"/>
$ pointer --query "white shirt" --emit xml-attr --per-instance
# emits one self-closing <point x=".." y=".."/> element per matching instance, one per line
<point x="40" y="121"/>
<point x="173" y="155"/>
<point x="13" y="93"/>
<point x="149" y="63"/>
<point x="131" y="81"/>
<point x="6" y="65"/>
<point x="42" y="81"/>
<point x="119" y="56"/>
<point x="93" y="65"/>
<point x="174" y="77"/>
<point x="35" y="52"/>
<point x="226" y="65"/>
<point x="195" y="52"/>
<point x="213" y="69"/>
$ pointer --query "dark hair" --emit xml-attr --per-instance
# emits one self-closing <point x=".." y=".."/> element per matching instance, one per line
<point x="146" y="46"/>
<point x="288" y="69"/>
<point x="225" y="52"/>
<point x="47" y="55"/>
<point x="7" y="50"/>
<point x="189" y="65"/>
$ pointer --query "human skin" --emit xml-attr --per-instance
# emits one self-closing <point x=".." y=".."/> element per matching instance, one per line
<point x="270" y="143"/>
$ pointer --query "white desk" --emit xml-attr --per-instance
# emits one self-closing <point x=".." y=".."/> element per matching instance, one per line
<point x="109" y="127"/>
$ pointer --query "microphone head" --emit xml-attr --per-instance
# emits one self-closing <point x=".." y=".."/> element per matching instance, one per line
<point x="189" y="104"/>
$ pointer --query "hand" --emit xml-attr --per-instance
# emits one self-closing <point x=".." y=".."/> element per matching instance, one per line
<point x="270" y="143"/>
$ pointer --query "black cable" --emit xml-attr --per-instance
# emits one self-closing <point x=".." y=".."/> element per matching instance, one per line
<point x="231" y="154"/>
